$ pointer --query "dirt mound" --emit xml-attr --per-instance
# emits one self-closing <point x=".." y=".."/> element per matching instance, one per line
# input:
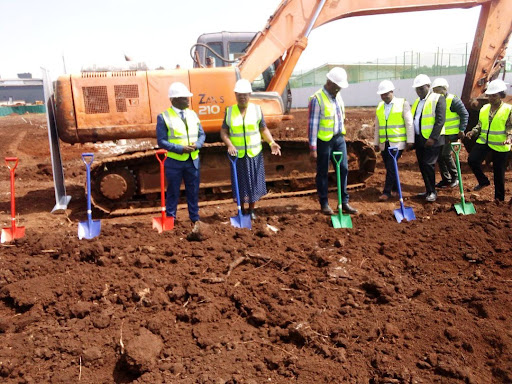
<point x="291" y="301"/>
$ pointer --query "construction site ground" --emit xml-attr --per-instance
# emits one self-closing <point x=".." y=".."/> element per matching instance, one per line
<point x="291" y="301"/>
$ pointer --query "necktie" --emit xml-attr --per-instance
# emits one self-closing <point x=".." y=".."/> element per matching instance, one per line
<point x="182" y="114"/>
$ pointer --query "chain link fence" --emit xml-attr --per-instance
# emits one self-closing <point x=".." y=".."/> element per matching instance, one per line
<point x="406" y="66"/>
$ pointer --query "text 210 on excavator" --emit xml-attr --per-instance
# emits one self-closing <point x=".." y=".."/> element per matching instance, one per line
<point x="100" y="106"/>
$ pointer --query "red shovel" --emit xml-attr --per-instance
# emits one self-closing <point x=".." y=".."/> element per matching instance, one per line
<point x="163" y="223"/>
<point x="9" y="234"/>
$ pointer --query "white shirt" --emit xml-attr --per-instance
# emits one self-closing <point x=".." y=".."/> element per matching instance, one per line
<point x="417" y="115"/>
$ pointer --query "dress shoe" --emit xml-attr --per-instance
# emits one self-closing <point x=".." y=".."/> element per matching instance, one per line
<point x="431" y="197"/>
<point x="384" y="197"/>
<point x="454" y="183"/>
<point x="481" y="186"/>
<point x="348" y="209"/>
<point x="253" y="214"/>
<point x="443" y="184"/>
<point x="326" y="210"/>
<point x="421" y="195"/>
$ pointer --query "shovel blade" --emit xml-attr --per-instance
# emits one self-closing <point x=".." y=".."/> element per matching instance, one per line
<point x="341" y="221"/>
<point x="241" y="221"/>
<point x="10" y="234"/>
<point x="465" y="209"/>
<point x="86" y="231"/>
<point x="162" y="224"/>
<point x="407" y="214"/>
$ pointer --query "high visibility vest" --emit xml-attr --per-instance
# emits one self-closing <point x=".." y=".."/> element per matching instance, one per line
<point x="327" y="114"/>
<point x="452" y="122"/>
<point x="428" y="116"/>
<point x="180" y="133"/>
<point x="244" y="132"/>
<point x="392" y="129"/>
<point x="496" y="134"/>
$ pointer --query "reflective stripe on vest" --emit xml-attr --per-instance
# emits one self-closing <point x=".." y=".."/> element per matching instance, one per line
<point x="180" y="133"/>
<point x="244" y="131"/>
<point x="452" y="122"/>
<point x="327" y="115"/>
<point x="392" y="129"/>
<point x="496" y="135"/>
<point x="428" y="116"/>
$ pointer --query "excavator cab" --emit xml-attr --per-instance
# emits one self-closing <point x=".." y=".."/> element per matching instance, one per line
<point x="222" y="49"/>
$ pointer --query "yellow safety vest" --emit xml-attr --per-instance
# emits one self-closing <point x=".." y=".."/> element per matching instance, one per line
<point x="392" y="129"/>
<point x="327" y="113"/>
<point x="452" y="123"/>
<point x="180" y="133"/>
<point x="496" y="135"/>
<point x="244" y="132"/>
<point x="428" y="116"/>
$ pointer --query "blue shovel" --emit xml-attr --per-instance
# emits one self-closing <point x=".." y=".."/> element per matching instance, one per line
<point x="91" y="228"/>
<point x="238" y="221"/>
<point x="403" y="212"/>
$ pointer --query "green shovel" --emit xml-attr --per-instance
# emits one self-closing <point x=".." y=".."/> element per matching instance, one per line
<point x="463" y="208"/>
<point x="340" y="220"/>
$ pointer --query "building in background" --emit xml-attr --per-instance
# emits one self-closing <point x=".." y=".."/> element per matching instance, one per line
<point x="22" y="90"/>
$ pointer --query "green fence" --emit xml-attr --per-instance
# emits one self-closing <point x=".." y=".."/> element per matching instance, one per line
<point x="22" y="109"/>
<point x="406" y="66"/>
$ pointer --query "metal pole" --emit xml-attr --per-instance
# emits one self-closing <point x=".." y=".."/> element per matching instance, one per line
<point x="315" y="16"/>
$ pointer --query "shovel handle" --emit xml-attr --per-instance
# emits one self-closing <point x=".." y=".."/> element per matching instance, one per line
<point x="340" y="154"/>
<point x="86" y="156"/>
<point x="233" y="159"/>
<point x="161" y="152"/>
<point x="456" y="146"/>
<point x="11" y="160"/>
<point x="393" y="151"/>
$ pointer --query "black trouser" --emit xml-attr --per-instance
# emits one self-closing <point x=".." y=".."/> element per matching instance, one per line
<point x="447" y="166"/>
<point x="390" y="183"/>
<point x="427" y="159"/>
<point x="499" y="162"/>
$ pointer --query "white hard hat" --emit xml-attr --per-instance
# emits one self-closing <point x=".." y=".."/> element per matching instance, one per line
<point x="243" y="86"/>
<point x="496" y="86"/>
<point x="421" y="80"/>
<point x="338" y="76"/>
<point x="385" y="86"/>
<point x="178" y="89"/>
<point x="440" y="82"/>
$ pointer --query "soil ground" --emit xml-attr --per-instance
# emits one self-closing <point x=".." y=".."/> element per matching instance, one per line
<point x="291" y="301"/>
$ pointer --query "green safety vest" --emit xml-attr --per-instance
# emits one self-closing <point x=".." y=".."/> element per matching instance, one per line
<point x="496" y="134"/>
<point x="327" y="114"/>
<point x="181" y="133"/>
<point x="428" y="116"/>
<point x="452" y="122"/>
<point x="244" y="132"/>
<point x="392" y="129"/>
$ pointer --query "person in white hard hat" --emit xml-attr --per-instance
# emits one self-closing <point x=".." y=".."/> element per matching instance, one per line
<point x="179" y="131"/>
<point x="242" y="131"/>
<point x="327" y="135"/>
<point x="429" y="115"/>
<point x="456" y="121"/>
<point x="494" y="135"/>
<point x="393" y="127"/>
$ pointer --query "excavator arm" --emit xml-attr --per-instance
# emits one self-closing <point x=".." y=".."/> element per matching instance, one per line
<point x="286" y="34"/>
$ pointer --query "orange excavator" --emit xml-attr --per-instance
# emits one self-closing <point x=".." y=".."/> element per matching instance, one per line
<point x="101" y="106"/>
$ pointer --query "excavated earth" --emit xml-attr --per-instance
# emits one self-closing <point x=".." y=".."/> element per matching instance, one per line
<point x="291" y="301"/>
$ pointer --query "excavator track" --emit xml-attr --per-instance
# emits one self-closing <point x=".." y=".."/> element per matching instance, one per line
<point x="129" y="183"/>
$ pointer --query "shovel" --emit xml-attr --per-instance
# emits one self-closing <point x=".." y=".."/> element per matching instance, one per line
<point x="9" y="234"/>
<point x="340" y="220"/>
<point x="91" y="228"/>
<point x="163" y="223"/>
<point x="463" y="208"/>
<point x="403" y="212"/>
<point x="238" y="221"/>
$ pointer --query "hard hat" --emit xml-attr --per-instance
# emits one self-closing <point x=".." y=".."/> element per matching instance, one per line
<point x="385" y="86"/>
<point x="338" y="76"/>
<point x="421" y="80"/>
<point x="440" y="82"/>
<point x="243" y="86"/>
<point x="496" y="86"/>
<point x="178" y="89"/>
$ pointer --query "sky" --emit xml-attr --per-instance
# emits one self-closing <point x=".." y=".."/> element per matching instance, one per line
<point x="63" y="36"/>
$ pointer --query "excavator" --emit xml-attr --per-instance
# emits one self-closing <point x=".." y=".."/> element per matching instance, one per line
<point x="99" y="106"/>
